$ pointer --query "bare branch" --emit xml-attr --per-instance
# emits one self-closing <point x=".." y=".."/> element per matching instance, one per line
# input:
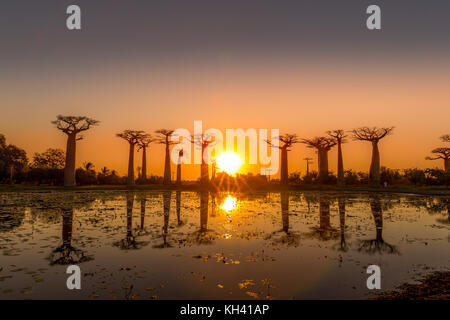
<point x="339" y="135"/>
<point x="371" y="134"/>
<point x="132" y="136"/>
<point x="320" y="143"/>
<point x="445" y="138"/>
<point x="74" y="124"/>
<point x="440" y="153"/>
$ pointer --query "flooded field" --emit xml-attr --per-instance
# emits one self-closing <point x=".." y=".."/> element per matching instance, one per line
<point x="200" y="245"/>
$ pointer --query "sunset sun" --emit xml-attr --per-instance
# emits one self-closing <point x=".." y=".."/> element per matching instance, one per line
<point x="229" y="162"/>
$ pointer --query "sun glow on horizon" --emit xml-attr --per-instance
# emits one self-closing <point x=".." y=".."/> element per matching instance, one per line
<point x="229" y="162"/>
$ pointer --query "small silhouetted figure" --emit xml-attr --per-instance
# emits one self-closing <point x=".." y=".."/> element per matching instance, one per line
<point x="373" y="135"/>
<point x="164" y="138"/>
<point x="204" y="203"/>
<point x="322" y="146"/>
<point x="178" y="203"/>
<point x="340" y="137"/>
<point x="286" y="141"/>
<point x="180" y="156"/>
<point x="72" y="126"/>
<point x="133" y="137"/>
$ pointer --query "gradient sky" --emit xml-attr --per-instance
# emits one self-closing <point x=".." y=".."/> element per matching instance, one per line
<point x="301" y="66"/>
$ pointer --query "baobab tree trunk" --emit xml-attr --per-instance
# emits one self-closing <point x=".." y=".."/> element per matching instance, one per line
<point x="144" y="163"/>
<point x="69" y="169"/>
<point x="340" y="172"/>
<point x="323" y="163"/>
<point x="179" y="174"/>
<point x="167" y="173"/>
<point x="284" y="167"/>
<point x="447" y="164"/>
<point x="374" y="174"/>
<point x="130" y="180"/>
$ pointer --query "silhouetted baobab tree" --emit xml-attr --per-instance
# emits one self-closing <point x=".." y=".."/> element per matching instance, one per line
<point x="441" y="153"/>
<point x="445" y="138"/>
<point x="286" y="141"/>
<point x="322" y="145"/>
<point x="373" y="135"/>
<point x="133" y="137"/>
<point x="203" y="141"/>
<point x="164" y="138"/>
<point x="340" y="137"/>
<point x="72" y="126"/>
<point x="143" y="144"/>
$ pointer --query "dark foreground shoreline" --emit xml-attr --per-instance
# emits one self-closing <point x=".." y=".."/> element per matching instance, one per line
<point x="434" y="286"/>
<point x="438" y="191"/>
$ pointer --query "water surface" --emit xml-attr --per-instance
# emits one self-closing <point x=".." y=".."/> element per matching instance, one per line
<point x="200" y="245"/>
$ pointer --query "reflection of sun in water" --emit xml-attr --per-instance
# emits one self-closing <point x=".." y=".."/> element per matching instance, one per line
<point x="229" y="204"/>
<point x="229" y="162"/>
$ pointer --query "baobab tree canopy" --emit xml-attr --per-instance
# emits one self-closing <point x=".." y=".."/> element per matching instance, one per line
<point x="74" y="124"/>
<point x="287" y="140"/>
<point x="440" y="153"/>
<point x="320" y="143"/>
<point x="371" y="134"/>
<point x="339" y="135"/>
<point x="445" y="138"/>
<point x="133" y="136"/>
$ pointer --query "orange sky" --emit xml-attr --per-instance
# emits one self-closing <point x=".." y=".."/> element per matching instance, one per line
<point x="231" y="92"/>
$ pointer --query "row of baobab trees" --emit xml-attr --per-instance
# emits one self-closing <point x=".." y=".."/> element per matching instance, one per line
<point x="72" y="126"/>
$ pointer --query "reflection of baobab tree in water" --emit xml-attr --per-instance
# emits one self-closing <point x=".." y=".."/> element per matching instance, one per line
<point x="142" y="230"/>
<point x="289" y="237"/>
<point x="203" y="235"/>
<point x="66" y="253"/>
<point x="341" y="205"/>
<point x="130" y="241"/>
<point x="377" y="245"/>
<point x="178" y="203"/>
<point x="167" y="197"/>
<point x="324" y="231"/>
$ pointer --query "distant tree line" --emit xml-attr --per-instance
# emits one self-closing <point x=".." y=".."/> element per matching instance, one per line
<point x="56" y="167"/>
